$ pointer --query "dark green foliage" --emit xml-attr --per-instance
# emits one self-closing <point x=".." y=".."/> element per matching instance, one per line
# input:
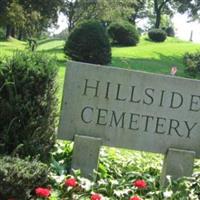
<point x="192" y="63"/>
<point x="2" y="34"/>
<point x="28" y="105"/>
<point x="157" y="35"/>
<point x="123" y="33"/>
<point x="89" y="43"/>
<point x="18" y="178"/>
<point x="32" y="43"/>
<point x="170" y="31"/>
<point x="61" y="158"/>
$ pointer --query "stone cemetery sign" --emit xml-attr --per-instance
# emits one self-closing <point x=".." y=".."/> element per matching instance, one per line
<point x="130" y="109"/>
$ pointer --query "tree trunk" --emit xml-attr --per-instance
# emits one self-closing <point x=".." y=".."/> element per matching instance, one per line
<point x="20" y="36"/>
<point x="158" y="10"/>
<point x="8" y="31"/>
<point x="158" y="19"/>
<point x="13" y="32"/>
<point x="71" y="26"/>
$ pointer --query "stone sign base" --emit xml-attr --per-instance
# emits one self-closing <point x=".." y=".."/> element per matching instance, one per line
<point x="85" y="155"/>
<point x="177" y="163"/>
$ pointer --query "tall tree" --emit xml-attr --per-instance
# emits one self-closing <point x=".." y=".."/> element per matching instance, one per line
<point x="15" y="19"/>
<point x="139" y="10"/>
<point x="105" y="10"/>
<point x="78" y="10"/>
<point x="11" y="16"/>
<point x="28" y="16"/>
<point x="3" y="11"/>
<point x="159" y="6"/>
<point x="192" y="7"/>
<point x="163" y="7"/>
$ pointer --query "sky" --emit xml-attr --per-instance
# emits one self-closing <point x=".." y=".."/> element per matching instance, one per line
<point x="183" y="28"/>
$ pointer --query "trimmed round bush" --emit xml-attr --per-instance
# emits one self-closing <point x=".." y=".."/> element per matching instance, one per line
<point x="123" y="33"/>
<point x="89" y="42"/>
<point x="170" y="31"/>
<point x="192" y="63"/>
<point x="157" y="35"/>
<point x="28" y="105"/>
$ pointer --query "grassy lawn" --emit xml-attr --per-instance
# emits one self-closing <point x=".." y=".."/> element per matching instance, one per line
<point x="55" y="48"/>
<point x="8" y="47"/>
<point x="147" y="56"/>
<point x="154" y="57"/>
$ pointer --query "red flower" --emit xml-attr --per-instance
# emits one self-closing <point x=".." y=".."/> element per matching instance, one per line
<point x="96" y="197"/>
<point x="42" y="192"/>
<point x="135" y="198"/>
<point x="71" y="182"/>
<point x="140" y="184"/>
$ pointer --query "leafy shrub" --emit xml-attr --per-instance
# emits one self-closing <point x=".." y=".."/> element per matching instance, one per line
<point x="61" y="157"/>
<point x="89" y="43"/>
<point x="170" y="31"/>
<point x="32" y="44"/>
<point x="117" y="174"/>
<point x="157" y="35"/>
<point x="125" y="175"/>
<point x="18" y="178"/>
<point x="123" y="33"/>
<point x="28" y="105"/>
<point x="192" y="63"/>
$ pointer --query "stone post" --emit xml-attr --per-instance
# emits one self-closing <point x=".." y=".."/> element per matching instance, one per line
<point x="177" y="163"/>
<point x="85" y="155"/>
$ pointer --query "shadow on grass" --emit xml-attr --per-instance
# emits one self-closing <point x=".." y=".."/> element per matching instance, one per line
<point x="57" y="49"/>
<point x="40" y="42"/>
<point x="148" y="39"/>
<point x="162" y="64"/>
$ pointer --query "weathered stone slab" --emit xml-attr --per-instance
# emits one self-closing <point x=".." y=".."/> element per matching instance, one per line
<point x="131" y="109"/>
<point x="177" y="163"/>
<point x="85" y="155"/>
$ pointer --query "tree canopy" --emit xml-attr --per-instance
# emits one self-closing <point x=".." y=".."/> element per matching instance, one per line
<point x="28" y="18"/>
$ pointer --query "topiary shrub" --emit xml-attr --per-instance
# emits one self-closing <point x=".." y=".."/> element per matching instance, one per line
<point x="192" y="63"/>
<point x="89" y="43"/>
<point x="170" y="31"/>
<point x="157" y="35"/>
<point x="18" y="178"/>
<point x="28" y="105"/>
<point x="123" y="33"/>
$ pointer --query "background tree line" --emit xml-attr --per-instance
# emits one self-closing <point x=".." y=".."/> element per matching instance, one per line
<point x="25" y="18"/>
<point x="28" y="18"/>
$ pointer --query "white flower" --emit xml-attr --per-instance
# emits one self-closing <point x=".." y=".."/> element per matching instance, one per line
<point x="102" y="182"/>
<point x="86" y="184"/>
<point x="59" y="179"/>
<point x="167" y="194"/>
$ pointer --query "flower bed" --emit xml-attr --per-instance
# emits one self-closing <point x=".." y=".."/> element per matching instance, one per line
<point x="131" y="177"/>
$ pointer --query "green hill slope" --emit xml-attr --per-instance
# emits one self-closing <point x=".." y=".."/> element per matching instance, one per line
<point x="8" y="47"/>
<point x="154" y="57"/>
<point x="147" y="56"/>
